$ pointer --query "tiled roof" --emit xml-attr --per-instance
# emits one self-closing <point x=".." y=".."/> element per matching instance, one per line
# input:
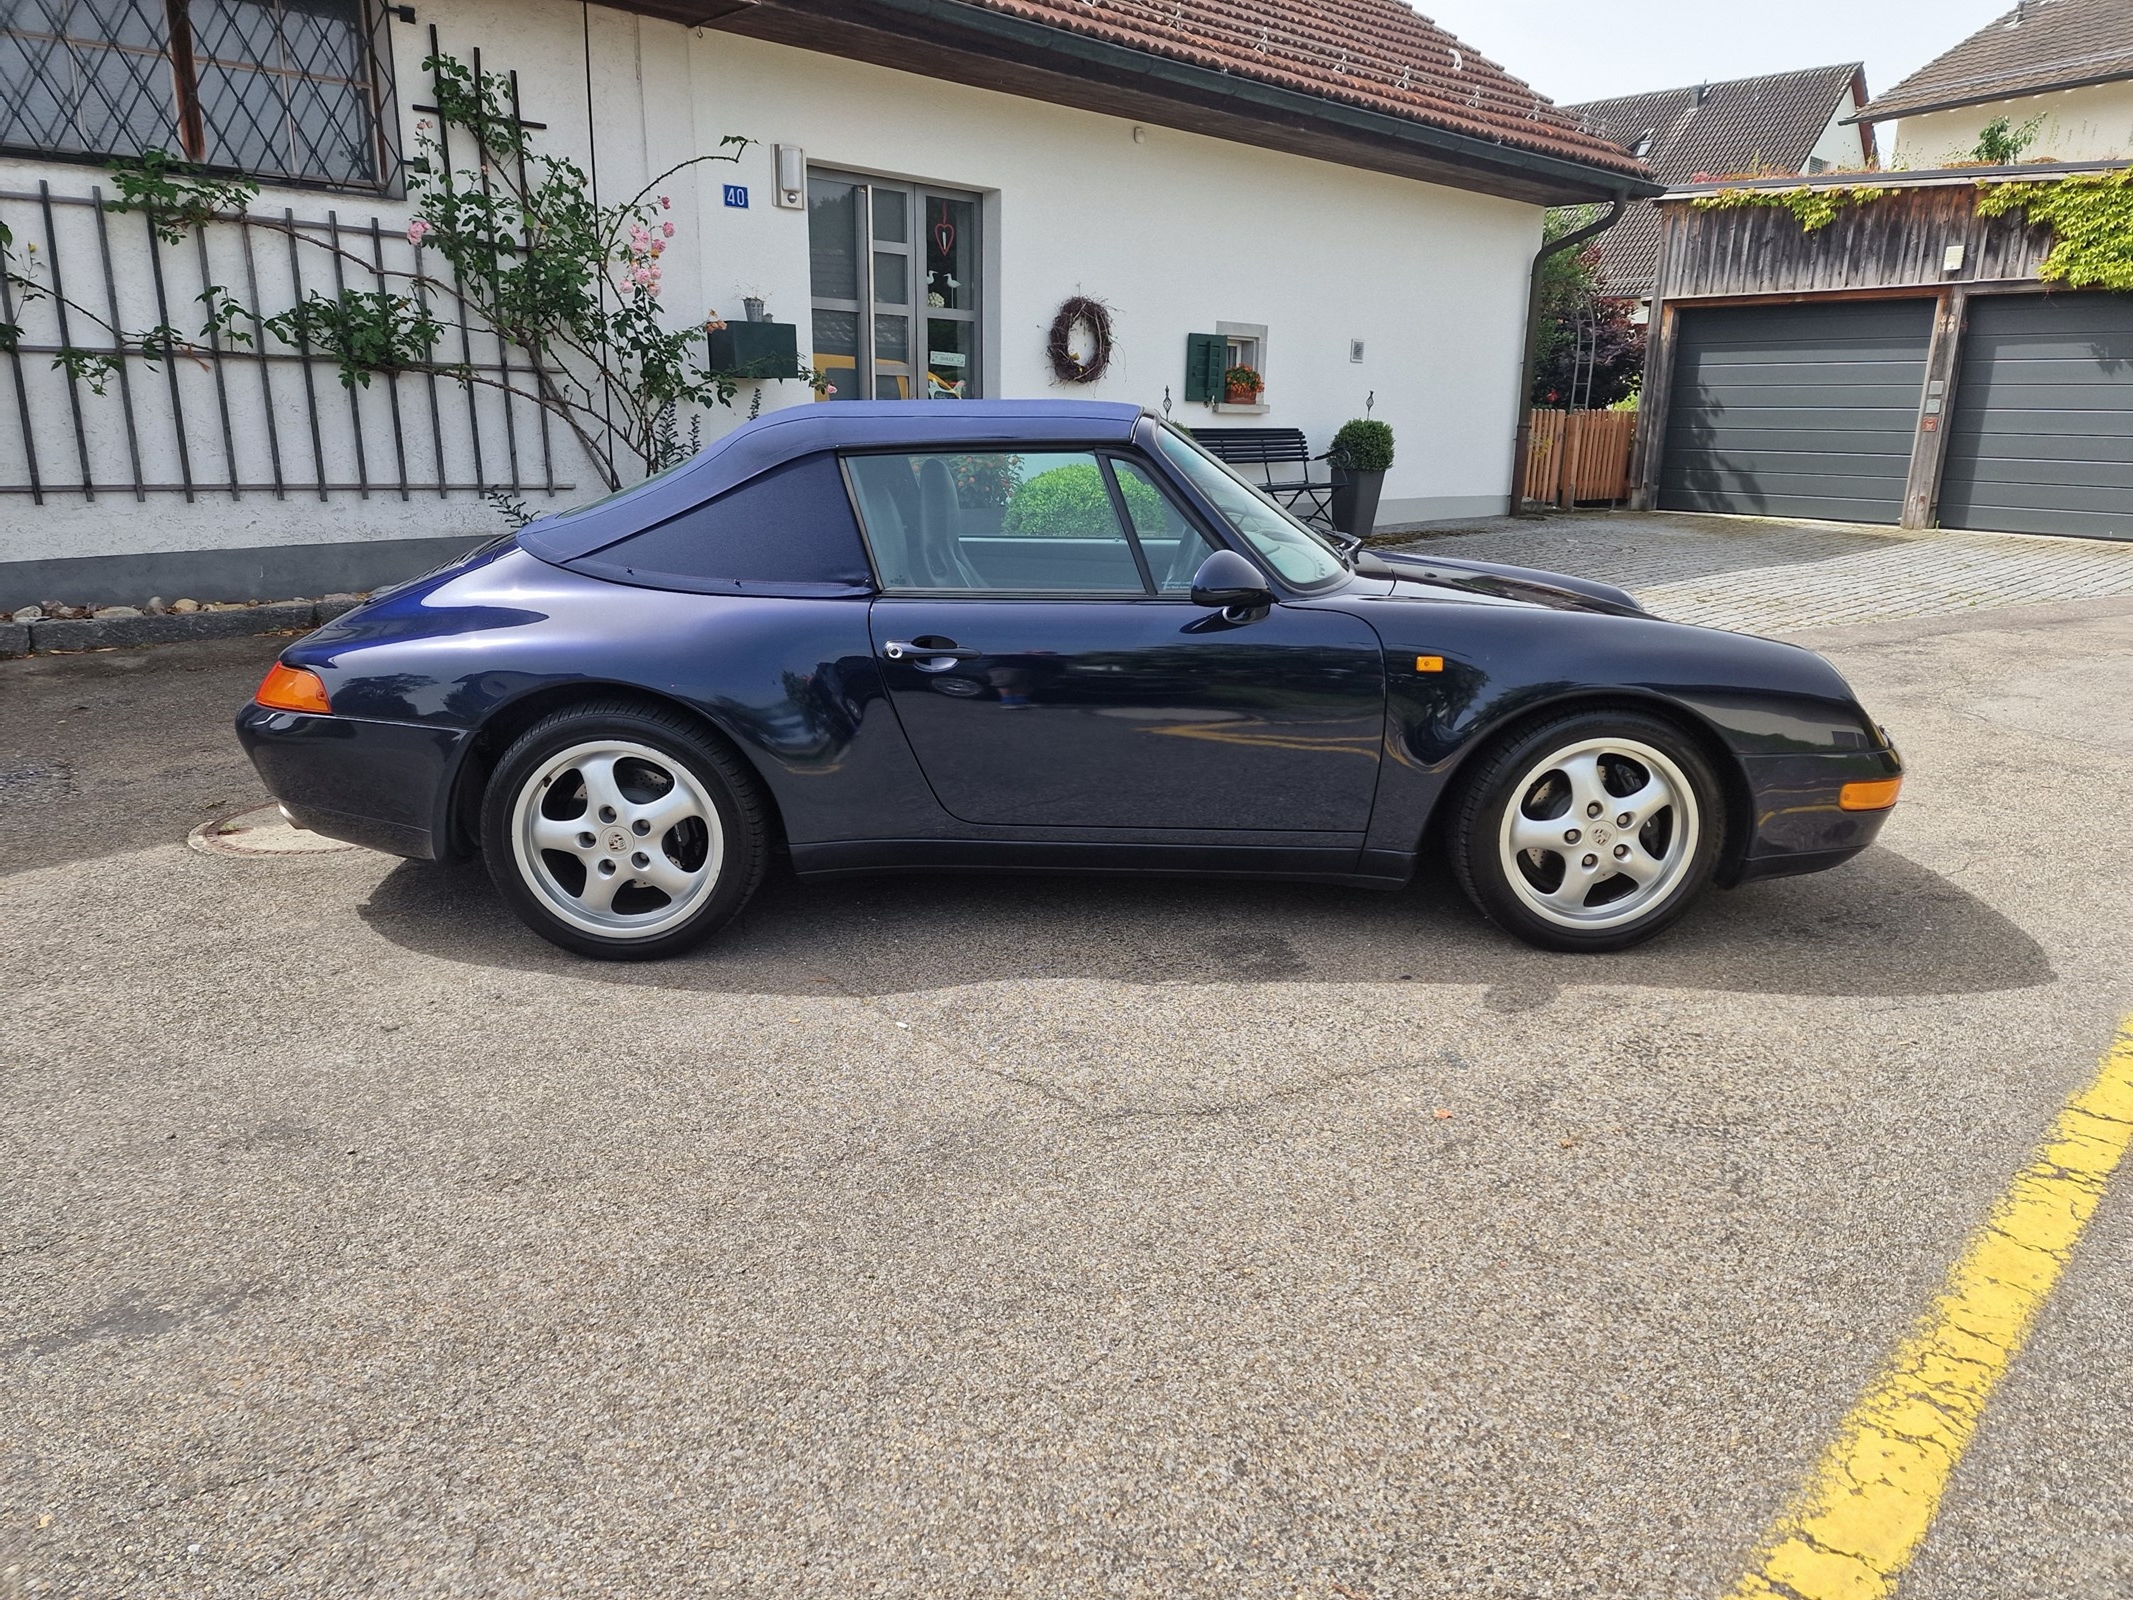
<point x="1768" y="124"/>
<point x="1378" y="54"/>
<point x="2040" y="45"/>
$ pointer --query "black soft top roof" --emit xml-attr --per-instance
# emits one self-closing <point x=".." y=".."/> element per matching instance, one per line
<point x="771" y="442"/>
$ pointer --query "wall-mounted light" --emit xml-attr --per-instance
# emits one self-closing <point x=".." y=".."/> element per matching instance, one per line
<point x="1951" y="259"/>
<point x="790" y="163"/>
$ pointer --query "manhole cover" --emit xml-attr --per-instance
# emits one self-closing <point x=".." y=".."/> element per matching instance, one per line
<point x="261" y="831"/>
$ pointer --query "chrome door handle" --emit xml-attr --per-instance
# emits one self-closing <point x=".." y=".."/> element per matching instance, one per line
<point x="922" y="654"/>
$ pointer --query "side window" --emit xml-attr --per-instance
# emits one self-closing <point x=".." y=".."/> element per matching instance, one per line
<point x="1173" y="546"/>
<point x="788" y="531"/>
<point x="994" y="523"/>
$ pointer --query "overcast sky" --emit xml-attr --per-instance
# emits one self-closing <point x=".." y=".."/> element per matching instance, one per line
<point x="1572" y="50"/>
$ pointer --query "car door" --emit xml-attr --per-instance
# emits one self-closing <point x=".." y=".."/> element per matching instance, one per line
<point x="1049" y="669"/>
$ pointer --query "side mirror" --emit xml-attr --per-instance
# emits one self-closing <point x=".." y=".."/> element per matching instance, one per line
<point x="1228" y="581"/>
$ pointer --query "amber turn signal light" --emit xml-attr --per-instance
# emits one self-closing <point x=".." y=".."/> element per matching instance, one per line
<point x="1875" y="795"/>
<point x="293" y="689"/>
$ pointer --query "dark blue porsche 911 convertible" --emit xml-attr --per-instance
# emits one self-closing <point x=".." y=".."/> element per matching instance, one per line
<point x="1042" y="635"/>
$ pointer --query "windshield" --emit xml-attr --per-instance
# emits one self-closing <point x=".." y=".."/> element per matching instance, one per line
<point x="1291" y="549"/>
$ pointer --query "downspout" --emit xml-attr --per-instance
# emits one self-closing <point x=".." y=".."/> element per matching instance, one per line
<point x="1523" y="448"/>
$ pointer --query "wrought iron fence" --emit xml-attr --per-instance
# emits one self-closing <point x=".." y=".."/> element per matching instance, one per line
<point x="220" y="417"/>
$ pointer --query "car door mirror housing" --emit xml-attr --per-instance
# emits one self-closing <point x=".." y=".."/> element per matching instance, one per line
<point x="1228" y="581"/>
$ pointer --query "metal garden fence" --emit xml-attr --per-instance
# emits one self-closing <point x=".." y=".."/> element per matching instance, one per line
<point x="217" y="417"/>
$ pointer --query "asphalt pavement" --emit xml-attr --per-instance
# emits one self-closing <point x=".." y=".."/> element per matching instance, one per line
<point x="1033" y="1237"/>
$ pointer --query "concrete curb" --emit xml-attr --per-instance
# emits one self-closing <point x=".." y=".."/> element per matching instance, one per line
<point x="111" y="633"/>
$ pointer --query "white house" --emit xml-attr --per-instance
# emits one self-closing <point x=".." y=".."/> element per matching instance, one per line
<point x="1344" y="195"/>
<point x="2058" y="72"/>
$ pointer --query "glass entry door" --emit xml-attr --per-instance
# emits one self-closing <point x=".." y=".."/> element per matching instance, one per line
<point x="895" y="288"/>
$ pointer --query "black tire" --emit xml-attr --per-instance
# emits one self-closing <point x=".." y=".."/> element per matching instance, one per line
<point x="698" y="871"/>
<point x="1571" y="892"/>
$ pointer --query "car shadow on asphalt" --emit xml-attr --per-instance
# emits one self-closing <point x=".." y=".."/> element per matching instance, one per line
<point x="1880" y="925"/>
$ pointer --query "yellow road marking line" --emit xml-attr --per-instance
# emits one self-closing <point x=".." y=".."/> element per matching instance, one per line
<point x="1861" y="1516"/>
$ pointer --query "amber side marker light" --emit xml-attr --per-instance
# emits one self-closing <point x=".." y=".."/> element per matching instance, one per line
<point x="1877" y="795"/>
<point x="294" y="689"/>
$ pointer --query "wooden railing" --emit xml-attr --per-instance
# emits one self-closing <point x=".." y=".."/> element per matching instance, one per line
<point x="1580" y="457"/>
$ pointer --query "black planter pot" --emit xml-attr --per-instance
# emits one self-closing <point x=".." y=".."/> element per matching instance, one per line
<point x="1355" y="500"/>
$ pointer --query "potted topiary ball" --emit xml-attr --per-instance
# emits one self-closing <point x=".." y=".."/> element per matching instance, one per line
<point x="1241" y="386"/>
<point x="1360" y="455"/>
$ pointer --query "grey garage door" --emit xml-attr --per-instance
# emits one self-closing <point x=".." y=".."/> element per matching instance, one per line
<point x="2041" y="437"/>
<point x="1796" y="411"/>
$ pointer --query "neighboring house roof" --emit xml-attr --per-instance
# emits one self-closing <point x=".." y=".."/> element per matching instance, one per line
<point x="1370" y="82"/>
<point x="2039" y="46"/>
<point x="1767" y="124"/>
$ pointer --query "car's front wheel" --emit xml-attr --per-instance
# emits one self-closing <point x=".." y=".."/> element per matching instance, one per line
<point x="1591" y="832"/>
<point x="622" y="832"/>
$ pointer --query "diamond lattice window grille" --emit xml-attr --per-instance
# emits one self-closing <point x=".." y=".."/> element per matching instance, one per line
<point x="86" y="77"/>
<point x="285" y="89"/>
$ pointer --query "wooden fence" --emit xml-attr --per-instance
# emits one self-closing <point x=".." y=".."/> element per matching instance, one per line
<point x="1580" y="457"/>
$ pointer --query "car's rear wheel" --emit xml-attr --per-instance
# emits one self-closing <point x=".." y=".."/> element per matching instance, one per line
<point x="622" y="832"/>
<point x="1590" y="832"/>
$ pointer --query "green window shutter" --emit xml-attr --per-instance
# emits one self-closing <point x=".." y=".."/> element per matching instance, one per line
<point x="1206" y="355"/>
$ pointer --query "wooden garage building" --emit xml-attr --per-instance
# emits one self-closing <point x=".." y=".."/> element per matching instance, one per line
<point x="1902" y="364"/>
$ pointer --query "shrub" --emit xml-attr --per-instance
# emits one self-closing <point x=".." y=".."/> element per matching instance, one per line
<point x="2000" y="143"/>
<point x="1070" y="503"/>
<point x="1362" y="446"/>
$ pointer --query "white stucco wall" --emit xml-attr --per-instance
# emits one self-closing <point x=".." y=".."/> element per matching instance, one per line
<point x="1174" y="231"/>
<point x="2092" y="124"/>
<point x="1840" y="145"/>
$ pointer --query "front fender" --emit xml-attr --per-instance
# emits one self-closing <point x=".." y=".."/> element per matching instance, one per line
<point x="1503" y="666"/>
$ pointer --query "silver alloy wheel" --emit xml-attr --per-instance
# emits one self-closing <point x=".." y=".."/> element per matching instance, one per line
<point x="1599" y="833"/>
<point x="617" y="838"/>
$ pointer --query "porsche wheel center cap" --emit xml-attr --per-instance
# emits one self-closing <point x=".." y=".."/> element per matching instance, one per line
<point x="618" y="841"/>
<point x="1601" y="835"/>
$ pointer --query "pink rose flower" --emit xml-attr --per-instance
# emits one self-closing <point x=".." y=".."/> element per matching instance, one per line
<point x="667" y="228"/>
<point x="665" y="204"/>
<point x="418" y="230"/>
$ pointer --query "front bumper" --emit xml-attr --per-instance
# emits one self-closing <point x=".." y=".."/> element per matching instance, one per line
<point x="384" y="785"/>
<point x="1799" y="825"/>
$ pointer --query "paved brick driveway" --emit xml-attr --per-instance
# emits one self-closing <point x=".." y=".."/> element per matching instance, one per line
<point x="1784" y="577"/>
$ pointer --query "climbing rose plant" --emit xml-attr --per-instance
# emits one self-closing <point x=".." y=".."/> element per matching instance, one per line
<point x="571" y="287"/>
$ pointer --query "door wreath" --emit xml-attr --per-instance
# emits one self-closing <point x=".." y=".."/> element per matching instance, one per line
<point x="1093" y="318"/>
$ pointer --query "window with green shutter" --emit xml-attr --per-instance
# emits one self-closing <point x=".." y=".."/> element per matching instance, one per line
<point x="1206" y="359"/>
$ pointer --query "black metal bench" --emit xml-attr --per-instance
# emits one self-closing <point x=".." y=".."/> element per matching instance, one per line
<point x="1266" y="449"/>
